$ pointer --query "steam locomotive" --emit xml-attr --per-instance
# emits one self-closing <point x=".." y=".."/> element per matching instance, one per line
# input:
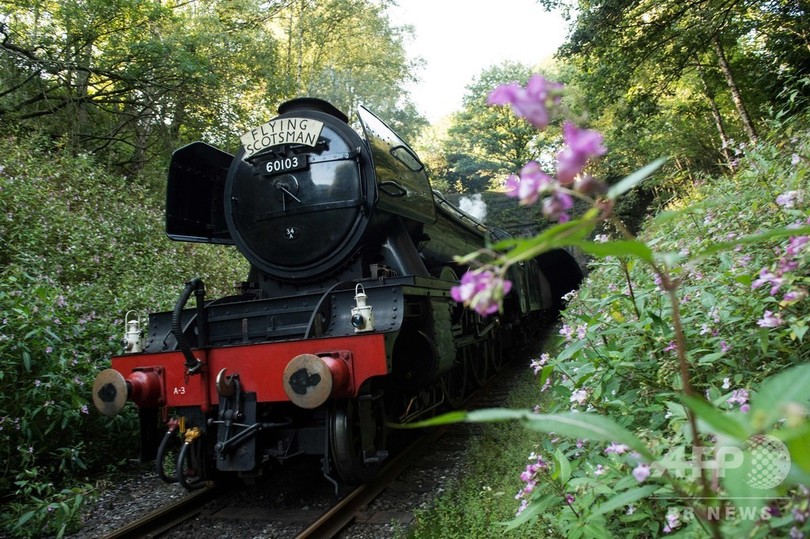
<point x="345" y="322"/>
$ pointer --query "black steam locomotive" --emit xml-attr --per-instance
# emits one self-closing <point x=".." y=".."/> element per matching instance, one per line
<point x="345" y="322"/>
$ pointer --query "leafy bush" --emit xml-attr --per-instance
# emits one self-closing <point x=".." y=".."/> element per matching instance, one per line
<point x="79" y="249"/>
<point x="682" y="365"/>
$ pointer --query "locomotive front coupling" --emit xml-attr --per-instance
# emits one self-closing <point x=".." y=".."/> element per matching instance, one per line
<point x="144" y="387"/>
<point x="311" y="380"/>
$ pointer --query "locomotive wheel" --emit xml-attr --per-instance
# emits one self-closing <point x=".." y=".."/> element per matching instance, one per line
<point x="346" y="440"/>
<point x="478" y="359"/>
<point x="497" y="360"/>
<point x="454" y="384"/>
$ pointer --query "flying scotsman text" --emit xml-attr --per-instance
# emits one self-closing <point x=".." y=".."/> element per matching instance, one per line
<point x="282" y="131"/>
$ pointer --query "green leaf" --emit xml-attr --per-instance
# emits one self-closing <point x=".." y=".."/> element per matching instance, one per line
<point x="563" y="472"/>
<point x="544" y="374"/>
<point x="531" y="512"/>
<point x="775" y="234"/>
<point x="556" y="236"/>
<point x="776" y="392"/>
<point x="716" y="419"/>
<point x="571" y="349"/>
<point x="594" y="531"/>
<point x="798" y="330"/>
<point x="633" y="248"/>
<point x="587" y="426"/>
<point x="740" y="492"/>
<point x="625" y="498"/>
<point x="708" y="359"/>
<point x="571" y="424"/>
<point x="25" y="518"/>
<point x="458" y="416"/>
<point x="798" y="450"/>
<point x="634" y="179"/>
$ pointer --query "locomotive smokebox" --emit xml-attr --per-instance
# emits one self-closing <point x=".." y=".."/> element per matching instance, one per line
<point x="311" y="380"/>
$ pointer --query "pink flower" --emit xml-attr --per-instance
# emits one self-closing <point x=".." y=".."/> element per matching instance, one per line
<point x="537" y="364"/>
<point x="482" y="291"/>
<point x="641" y="472"/>
<point x="616" y="449"/>
<point x="673" y="522"/>
<point x="555" y="206"/>
<point x="795" y="295"/>
<point x="765" y="276"/>
<point x="579" y="396"/>
<point x="532" y="103"/>
<point x="796" y="244"/>
<point x="788" y="199"/>
<point x="770" y="320"/>
<point x="531" y="182"/>
<point x="580" y="145"/>
<point x="738" y="396"/>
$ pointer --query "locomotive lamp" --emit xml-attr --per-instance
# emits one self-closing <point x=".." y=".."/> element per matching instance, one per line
<point x="362" y="315"/>
<point x="133" y="336"/>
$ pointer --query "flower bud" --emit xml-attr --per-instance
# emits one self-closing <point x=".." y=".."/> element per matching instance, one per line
<point x="590" y="186"/>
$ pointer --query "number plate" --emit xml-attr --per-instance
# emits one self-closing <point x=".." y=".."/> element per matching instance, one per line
<point x="285" y="164"/>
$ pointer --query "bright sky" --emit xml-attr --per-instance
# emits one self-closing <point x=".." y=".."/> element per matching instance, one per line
<point x="460" y="38"/>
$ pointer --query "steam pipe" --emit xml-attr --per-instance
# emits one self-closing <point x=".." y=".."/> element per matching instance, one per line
<point x="161" y="454"/>
<point x="180" y="472"/>
<point x="195" y="285"/>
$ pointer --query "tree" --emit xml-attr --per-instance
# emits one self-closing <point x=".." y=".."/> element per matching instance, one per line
<point x="349" y="53"/>
<point x="120" y="76"/>
<point x="676" y="37"/>
<point x="486" y="143"/>
<point x="134" y="79"/>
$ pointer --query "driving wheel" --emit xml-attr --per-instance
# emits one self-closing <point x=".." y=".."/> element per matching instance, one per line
<point x="357" y="436"/>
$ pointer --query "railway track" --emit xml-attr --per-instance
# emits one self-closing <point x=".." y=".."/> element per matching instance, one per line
<point x="302" y="519"/>
<point x="161" y="520"/>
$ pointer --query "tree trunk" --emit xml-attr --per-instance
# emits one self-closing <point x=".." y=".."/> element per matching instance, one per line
<point x="84" y="58"/>
<point x="718" y="119"/>
<point x="748" y="125"/>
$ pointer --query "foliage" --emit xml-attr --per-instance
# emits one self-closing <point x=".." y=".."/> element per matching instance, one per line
<point x="131" y="80"/>
<point x="349" y="53"/>
<point x="681" y="355"/>
<point x="679" y="79"/>
<point x="483" y="143"/>
<point x="486" y="489"/>
<point x="79" y="249"/>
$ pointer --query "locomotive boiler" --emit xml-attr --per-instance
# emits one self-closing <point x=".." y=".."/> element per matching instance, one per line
<point x="345" y="322"/>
